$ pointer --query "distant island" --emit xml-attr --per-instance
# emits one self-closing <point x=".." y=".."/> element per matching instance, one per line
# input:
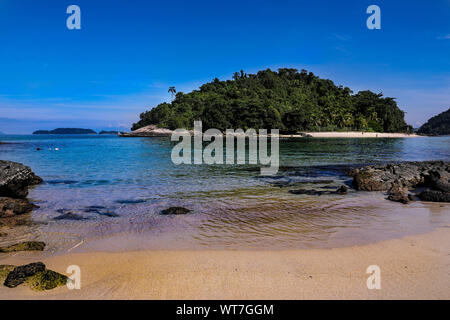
<point x="66" y="131"/>
<point x="109" y="132"/>
<point x="437" y="125"/>
<point x="288" y="100"/>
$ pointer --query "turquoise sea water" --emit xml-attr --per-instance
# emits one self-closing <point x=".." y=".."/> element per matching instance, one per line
<point x="118" y="186"/>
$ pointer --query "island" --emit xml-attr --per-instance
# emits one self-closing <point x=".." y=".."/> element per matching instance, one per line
<point x="288" y="100"/>
<point x="109" y="132"/>
<point x="437" y="126"/>
<point x="66" y="131"/>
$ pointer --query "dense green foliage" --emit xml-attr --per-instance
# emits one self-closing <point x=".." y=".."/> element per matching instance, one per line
<point x="66" y="131"/>
<point x="287" y="100"/>
<point x="438" y="125"/>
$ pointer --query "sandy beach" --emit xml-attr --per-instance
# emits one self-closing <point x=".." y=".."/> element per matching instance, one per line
<point x="356" y="134"/>
<point x="415" y="267"/>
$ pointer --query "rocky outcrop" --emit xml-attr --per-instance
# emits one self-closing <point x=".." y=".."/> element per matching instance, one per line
<point x="10" y="207"/>
<point x="399" y="178"/>
<point x="34" y="275"/>
<point x="434" y="195"/>
<point x="20" y="274"/>
<point x="15" y="178"/>
<point x="148" y="131"/>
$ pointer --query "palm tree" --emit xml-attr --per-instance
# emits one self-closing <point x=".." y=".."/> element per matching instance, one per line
<point x="172" y="90"/>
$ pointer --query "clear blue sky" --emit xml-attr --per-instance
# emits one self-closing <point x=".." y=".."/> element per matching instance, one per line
<point x="128" y="53"/>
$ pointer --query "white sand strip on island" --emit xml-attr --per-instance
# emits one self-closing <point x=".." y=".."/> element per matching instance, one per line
<point x="355" y="134"/>
<point x="414" y="267"/>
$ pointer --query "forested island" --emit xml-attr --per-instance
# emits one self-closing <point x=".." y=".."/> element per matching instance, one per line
<point x="66" y="131"/>
<point x="288" y="100"/>
<point x="438" y="125"/>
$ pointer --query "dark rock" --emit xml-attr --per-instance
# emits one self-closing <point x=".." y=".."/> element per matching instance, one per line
<point x="175" y="210"/>
<point x="342" y="190"/>
<point x="434" y="195"/>
<point x="69" y="216"/>
<point x="398" y="194"/>
<point x="10" y="207"/>
<point x="24" y="246"/>
<point x="20" y="274"/>
<point x="407" y="174"/>
<point x="310" y="192"/>
<point x="3" y="234"/>
<point x="282" y="184"/>
<point x="46" y="280"/>
<point x="132" y="201"/>
<point x="15" y="179"/>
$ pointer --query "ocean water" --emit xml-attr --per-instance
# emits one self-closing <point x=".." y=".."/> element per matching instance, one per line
<point x="117" y="187"/>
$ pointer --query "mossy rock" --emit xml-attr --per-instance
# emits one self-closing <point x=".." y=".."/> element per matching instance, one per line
<point x="24" y="246"/>
<point x="46" y="280"/>
<point x="5" y="269"/>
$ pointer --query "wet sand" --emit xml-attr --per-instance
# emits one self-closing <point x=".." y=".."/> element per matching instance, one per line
<point x="414" y="267"/>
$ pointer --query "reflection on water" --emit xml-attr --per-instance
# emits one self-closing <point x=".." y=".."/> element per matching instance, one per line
<point x="107" y="192"/>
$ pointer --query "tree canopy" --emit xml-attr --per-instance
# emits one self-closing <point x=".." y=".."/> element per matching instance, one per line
<point x="287" y="100"/>
<point x="438" y="125"/>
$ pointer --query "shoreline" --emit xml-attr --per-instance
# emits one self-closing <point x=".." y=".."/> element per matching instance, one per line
<point x="356" y="134"/>
<point x="153" y="131"/>
<point x="413" y="267"/>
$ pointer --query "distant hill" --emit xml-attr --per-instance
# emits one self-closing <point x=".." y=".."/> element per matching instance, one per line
<point x="438" y="125"/>
<point x="66" y="131"/>
<point x="288" y="100"/>
<point x="109" y="132"/>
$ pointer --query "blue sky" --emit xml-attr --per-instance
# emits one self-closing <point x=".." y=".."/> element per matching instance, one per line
<point x="128" y="53"/>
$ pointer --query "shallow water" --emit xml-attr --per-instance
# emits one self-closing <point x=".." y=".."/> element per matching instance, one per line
<point x="117" y="187"/>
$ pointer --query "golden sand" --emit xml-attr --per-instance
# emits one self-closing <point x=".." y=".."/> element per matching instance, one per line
<point x="415" y="267"/>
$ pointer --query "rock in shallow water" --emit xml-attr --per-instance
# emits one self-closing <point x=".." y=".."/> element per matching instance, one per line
<point x="15" y="178"/>
<point x="176" y="210"/>
<point x="10" y="207"/>
<point x="397" y="178"/>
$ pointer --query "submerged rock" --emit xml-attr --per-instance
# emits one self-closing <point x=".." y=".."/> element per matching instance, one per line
<point x="24" y="246"/>
<point x="69" y="216"/>
<point x="15" y="178"/>
<point x="10" y="207"/>
<point x="20" y="274"/>
<point x="175" y="210"/>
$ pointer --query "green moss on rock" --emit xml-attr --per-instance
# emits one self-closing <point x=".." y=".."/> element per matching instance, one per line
<point x="5" y="269"/>
<point x="24" y="246"/>
<point x="46" y="280"/>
